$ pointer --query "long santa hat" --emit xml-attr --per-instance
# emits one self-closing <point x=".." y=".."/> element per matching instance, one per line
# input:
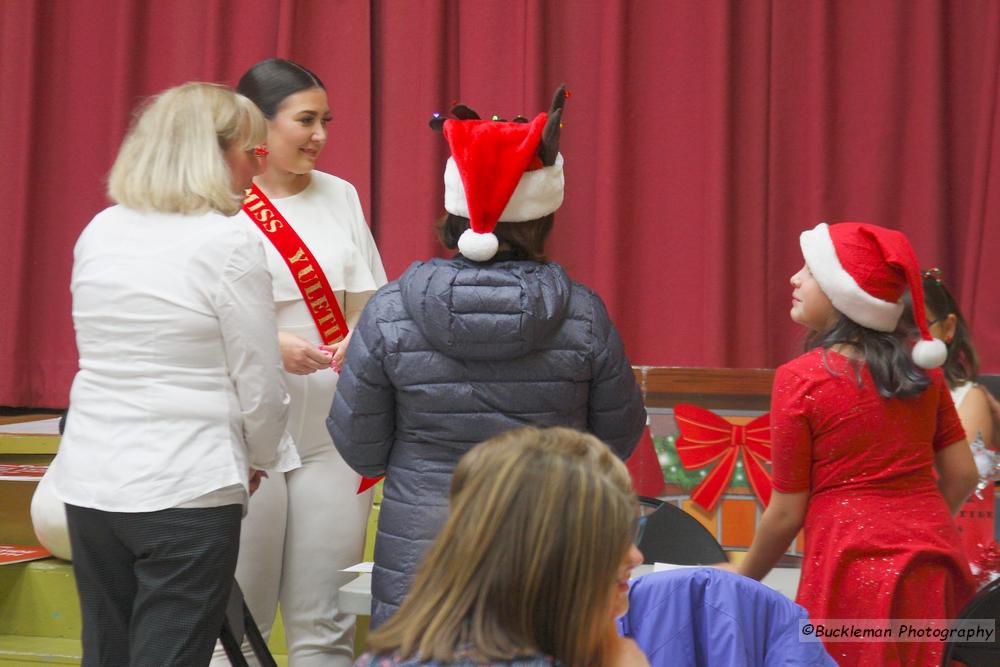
<point x="501" y="171"/>
<point x="864" y="270"/>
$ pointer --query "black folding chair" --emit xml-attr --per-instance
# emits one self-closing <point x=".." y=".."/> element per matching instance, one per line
<point x="985" y="604"/>
<point x="238" y="624"/>
<point x="674" y="536"/>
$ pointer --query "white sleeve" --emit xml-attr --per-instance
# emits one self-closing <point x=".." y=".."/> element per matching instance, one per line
<point x="354" y="304"/>
<point x="364" y="240"/>
<point x="245" y="307"/>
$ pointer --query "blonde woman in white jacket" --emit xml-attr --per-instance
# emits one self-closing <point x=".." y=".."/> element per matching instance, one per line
<point x="179" y="400"/>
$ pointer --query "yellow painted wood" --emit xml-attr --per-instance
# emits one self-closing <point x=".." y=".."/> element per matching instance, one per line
<point x="361" y="631"/>
<point x="39" y="599"/>
<point x="28" y="651"/>
<point x="26" y="459"/>
<point x="276" y="642"/>
<point x="15" y="513"/>
<point x="29" y="444"/>
<point x="40" y="615"/>
<point x="21" y="651"/>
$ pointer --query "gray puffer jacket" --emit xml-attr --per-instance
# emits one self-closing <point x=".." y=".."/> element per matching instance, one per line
<point x="453" y="353"/>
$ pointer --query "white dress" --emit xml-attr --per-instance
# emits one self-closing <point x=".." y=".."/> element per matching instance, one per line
<point x="306" y="522"/>
<point x="975" y="517"/>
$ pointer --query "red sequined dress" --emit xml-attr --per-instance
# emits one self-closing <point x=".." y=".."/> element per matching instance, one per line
<point x="880" y="542"/>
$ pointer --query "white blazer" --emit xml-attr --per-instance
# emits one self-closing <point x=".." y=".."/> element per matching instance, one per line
<point x="180" y="386"/>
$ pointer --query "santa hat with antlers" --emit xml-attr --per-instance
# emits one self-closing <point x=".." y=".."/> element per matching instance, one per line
<point x="501" y="171"/>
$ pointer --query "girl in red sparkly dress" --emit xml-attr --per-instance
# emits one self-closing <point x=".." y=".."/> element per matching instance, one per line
<point x="858" y="427"/>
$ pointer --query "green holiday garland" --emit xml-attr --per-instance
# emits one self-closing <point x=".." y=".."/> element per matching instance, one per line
<point x="675" y="473"/>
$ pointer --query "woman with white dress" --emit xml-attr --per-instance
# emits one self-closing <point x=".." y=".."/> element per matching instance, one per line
<point x="307" y="521"/>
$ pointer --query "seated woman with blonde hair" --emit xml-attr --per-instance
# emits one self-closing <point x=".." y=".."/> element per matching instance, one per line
<point x="532" y="565"/>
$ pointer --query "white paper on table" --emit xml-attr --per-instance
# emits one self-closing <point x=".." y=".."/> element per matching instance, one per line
<point x="663" y="567"/>
<point x="647" y="568"/>
<point x="785" y="580"/>
<point x="360" y="567"/>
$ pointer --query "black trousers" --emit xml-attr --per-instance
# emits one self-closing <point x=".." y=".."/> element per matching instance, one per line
<point x="153" y="585"/>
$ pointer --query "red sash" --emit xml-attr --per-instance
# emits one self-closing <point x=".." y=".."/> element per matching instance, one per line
<point x="306" y="272"/>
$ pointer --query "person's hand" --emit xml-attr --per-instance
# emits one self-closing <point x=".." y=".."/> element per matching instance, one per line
<point x="338" y="350"/>
<point x="626" y="653"/>
<point x="301" y="357"/>
<point x="728" y="567"/>
<point x="256" y="477"/>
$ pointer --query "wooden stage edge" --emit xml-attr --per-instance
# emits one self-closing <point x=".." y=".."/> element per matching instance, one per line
<point x="21" y="415"/>
<point x="730" y="388"/>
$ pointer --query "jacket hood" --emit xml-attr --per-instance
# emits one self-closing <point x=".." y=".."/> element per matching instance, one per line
<point x="497" y="311"/>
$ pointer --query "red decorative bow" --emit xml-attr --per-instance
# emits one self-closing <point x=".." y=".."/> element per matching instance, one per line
<point x="707" y="438"/>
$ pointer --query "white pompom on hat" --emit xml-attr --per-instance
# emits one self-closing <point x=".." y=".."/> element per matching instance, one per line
<point x="864" y="270"/>
<point x="495" y="175"/>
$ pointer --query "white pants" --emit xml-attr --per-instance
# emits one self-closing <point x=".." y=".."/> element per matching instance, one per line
<point x="301" y="528"/>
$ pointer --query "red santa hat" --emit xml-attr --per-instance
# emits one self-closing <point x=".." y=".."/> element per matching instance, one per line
<point x="865" y="270"/>
<point x="495" y="175"/>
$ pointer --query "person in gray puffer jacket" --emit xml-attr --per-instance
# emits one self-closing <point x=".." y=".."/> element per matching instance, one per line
<point x="459" y="350"/>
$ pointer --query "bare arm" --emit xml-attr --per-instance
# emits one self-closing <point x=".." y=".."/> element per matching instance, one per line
<point x="622" y="651"/>
<point x="781" y="521"/>
<point x="995" y="411"/>
<point x="976" y="415"/>
<point x="626" y="653"/>
<point x="957" y="475"/>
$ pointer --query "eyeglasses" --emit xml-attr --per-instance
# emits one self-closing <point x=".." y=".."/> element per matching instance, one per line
<point x="640" y="528"/>
<point x="934" y="321"/>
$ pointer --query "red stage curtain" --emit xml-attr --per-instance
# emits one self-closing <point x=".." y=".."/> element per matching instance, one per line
<point x="700" y="139"/>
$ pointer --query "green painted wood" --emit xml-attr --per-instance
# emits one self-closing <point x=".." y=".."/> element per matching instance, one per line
<point x="15" y="496"/>
<point x="25" y="443"/>
<point x="38" y="599"/>
<point x="16" y="650"/>
<point x="29" y="444"/>
<point x="31" y="651"/>
<point x="39" y="604"/>
<point x="361" y="630"/>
